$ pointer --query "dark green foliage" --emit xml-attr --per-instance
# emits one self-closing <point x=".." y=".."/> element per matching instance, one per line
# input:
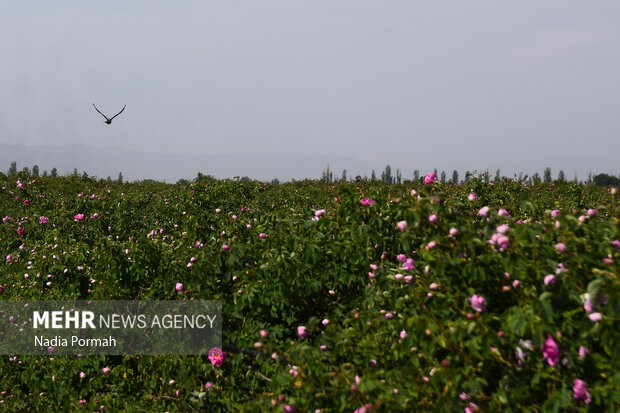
<point x="606" y="180"/>
<point x="386" y="175"/>
<point x="13" y="169"/>
<point x="307" y="270"/>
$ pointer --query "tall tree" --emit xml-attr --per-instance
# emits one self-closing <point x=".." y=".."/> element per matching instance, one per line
<point x="344" y="175"/>
<point x="13" y="169"/>
<point x="498" y="177"/>
<point x="120" y="177"/>
<point x="455" y="177"/>
<point x="35" y="170"/>
<point x="416" y="175"/>
<point x="547" y="175"/>
<point x="561" y="176"/>
<point x="399" y="176"/>
<point x="606" y="180"/>
<point x="386" y="175"/>
<point x="54" y="172"/>
<point x="328" y="175"/>
<point x="443" y="176"/>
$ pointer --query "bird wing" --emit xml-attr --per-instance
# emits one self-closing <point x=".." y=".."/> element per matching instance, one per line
<point x="100" y="112"/>
<point x="118" y="112"/>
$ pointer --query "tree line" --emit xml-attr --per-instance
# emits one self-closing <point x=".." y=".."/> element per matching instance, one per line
<point x="53" y="173"/>
<point x="397" y="178"/>
<point x="386" y="176"/>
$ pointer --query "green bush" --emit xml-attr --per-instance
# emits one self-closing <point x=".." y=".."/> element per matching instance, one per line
<point x="381" y="333"/>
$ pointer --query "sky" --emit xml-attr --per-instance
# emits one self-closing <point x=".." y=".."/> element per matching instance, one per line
<point x="417" y="85"/>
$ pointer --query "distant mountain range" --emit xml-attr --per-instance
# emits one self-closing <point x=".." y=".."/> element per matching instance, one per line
<point x="102" y="162"/>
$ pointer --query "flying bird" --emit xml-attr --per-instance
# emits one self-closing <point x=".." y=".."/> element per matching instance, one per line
<point x="109" y="120"/>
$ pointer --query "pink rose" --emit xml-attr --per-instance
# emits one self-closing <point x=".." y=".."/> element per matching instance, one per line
<point x="216" y="356"/>
<point x="430" y="178"/>
<point x="580" y="391"/>
<point x="551" y="351"/>
<point x="409" y="264"/>
<point x="477" y="303"/>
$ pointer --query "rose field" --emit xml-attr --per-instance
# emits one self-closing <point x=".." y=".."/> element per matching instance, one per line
<point x="337" y="297"/>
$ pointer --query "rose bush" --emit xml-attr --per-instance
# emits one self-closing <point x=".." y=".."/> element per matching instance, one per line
<point x="506" y="299"/>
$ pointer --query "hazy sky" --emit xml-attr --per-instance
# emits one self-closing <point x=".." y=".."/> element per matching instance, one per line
<point x="416" y="84"/>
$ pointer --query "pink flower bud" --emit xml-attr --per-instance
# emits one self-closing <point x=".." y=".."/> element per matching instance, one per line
<point x="595" y="317"/>
<point x="583" y="352"/>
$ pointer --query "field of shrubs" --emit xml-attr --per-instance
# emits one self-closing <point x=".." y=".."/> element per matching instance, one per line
<point x="337" y="297"/>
